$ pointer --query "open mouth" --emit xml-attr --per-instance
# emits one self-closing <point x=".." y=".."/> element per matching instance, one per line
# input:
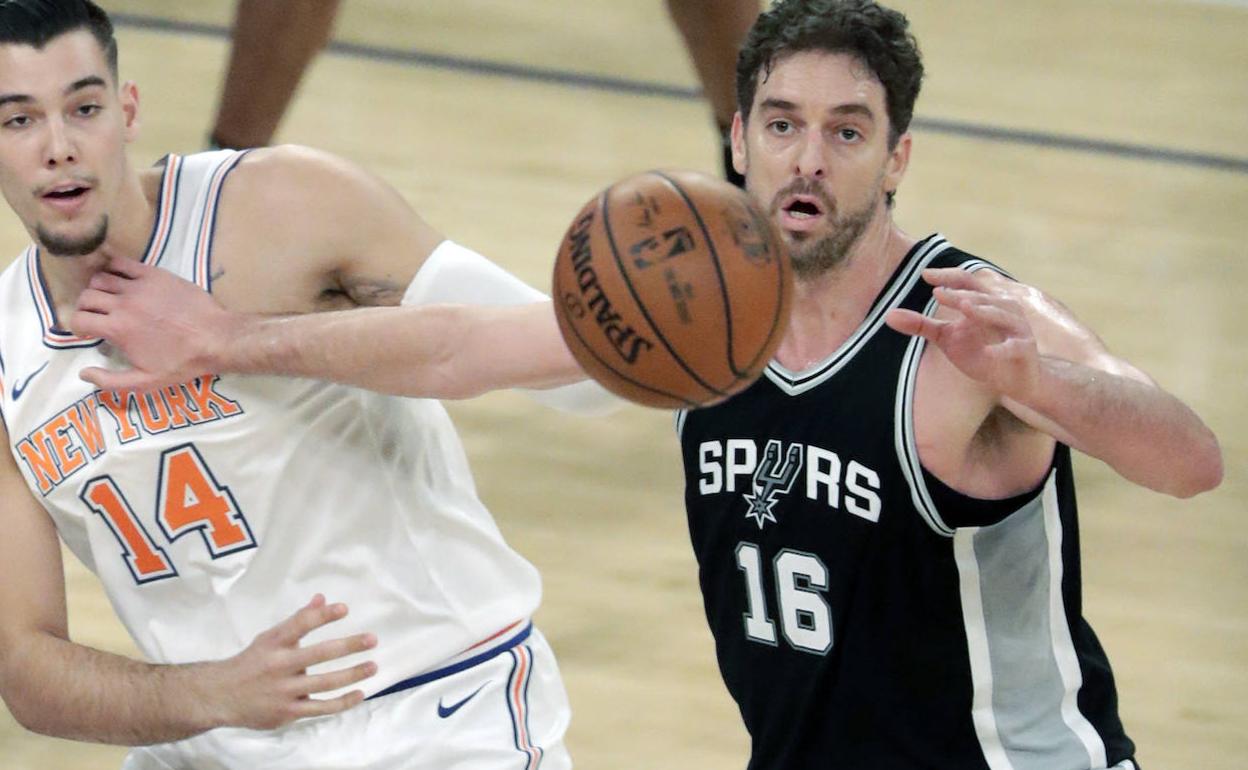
<point x="797" y="209"/>
<point x="69" y="193"/>
<point x="803" y="209"/>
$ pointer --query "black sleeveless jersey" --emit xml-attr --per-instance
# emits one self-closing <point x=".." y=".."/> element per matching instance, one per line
<point x="865" y="615"/>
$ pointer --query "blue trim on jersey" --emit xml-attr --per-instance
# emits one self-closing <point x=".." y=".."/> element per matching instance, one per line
<point x="211" y="233"/>
<point x="455" y="668"/>
<point x="160" y="199"/>
<point x="43" y="286"/>
<point x="175" y="160"/>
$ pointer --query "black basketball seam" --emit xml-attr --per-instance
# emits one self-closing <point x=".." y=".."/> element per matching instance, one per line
<point x="719" y="271"/>
<point x="588" y="349"/>
<point x="615" y="253"/>
<point x="781" y="310"/>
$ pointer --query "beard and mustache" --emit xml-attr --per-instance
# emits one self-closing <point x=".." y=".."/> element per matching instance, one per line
<point x="66" y="246"/>
<point x="816" y="255"/>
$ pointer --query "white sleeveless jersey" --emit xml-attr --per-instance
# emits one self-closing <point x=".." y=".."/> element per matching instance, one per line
<point x="214" y="509"/>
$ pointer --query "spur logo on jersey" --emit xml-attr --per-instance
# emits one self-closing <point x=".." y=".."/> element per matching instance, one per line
<point x="64" y="444"/>
<point x="849" y="486"/>
<point x="771" y="478"/>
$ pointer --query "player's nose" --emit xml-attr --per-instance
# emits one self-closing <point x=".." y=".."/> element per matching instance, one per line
<point x="58" y="148"/>
<point x="811" y="159"/>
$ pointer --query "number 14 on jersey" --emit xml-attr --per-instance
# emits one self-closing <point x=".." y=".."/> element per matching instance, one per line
<point x="189" y="499"/>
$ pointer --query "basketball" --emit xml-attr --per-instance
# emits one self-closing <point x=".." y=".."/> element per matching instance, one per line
<point x="672" y="289"/>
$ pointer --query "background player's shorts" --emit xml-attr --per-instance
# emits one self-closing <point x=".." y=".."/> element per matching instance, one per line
<point x="510" y="712"/>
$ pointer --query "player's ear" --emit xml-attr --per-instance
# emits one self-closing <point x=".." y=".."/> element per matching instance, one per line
<point x="129" y="96"/>
<point x="898" y="161"/>
<point x="739" y="157"/>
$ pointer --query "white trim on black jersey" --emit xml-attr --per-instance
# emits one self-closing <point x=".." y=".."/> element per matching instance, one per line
<point x="903" y="422"/>
<point x="796" y="383"/>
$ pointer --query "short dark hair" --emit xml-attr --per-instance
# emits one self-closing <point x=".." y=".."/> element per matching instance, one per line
<point x="38" y="22"/>
<point x="875" y="35"/>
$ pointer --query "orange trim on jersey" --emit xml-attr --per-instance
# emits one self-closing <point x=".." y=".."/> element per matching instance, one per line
<point x="163" y="226"/>
<point x="43" y="306"/>
<point x="164" y="218"/>
<point x="203" y="243"/>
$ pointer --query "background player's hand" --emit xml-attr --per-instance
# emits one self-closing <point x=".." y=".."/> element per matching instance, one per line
<point x="167" y="328"/>
<point x="982" y="330"/>
<point x="267" y="685"/>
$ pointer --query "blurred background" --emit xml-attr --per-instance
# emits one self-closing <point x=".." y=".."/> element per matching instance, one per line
<point x="1095" y="148"/>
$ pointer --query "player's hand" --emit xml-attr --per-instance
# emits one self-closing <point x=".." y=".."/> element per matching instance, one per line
<point x="267" y="685"/>
<point x="987" y="336"/>
<point x="168" y="328"/>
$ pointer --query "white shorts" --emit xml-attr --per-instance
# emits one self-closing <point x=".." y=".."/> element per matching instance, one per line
<point x="509" y="711"/>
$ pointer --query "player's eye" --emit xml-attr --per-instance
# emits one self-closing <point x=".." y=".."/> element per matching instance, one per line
<point x="849" y="134"/>
<point x="780" y="126"/>
<point x="16" y="121"/>
<point x="87" y="110"/>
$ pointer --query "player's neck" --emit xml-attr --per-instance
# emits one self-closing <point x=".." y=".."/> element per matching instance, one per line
<point x="829" y="308"/>
<point x="129" y="229"/>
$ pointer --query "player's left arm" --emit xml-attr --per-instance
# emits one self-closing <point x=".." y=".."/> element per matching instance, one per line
<point x="1056" y="375"/>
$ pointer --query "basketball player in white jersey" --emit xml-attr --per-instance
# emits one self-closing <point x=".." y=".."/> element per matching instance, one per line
<point x="914" y="601"/>
<point x="221" y="512"/>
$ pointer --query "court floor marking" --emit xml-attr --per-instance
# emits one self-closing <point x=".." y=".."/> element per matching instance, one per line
<point x="619" y="85"/>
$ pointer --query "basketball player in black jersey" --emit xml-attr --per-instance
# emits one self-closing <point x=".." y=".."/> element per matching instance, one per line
<point x="885" y="522"/>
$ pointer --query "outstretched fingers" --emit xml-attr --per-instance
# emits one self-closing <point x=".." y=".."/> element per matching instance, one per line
<point x="953" y="278"/>
<point x="336" y="680"/>
<point x="314" y="707"/>
<point x="307" y="619"/>
<point x="915" y="324"/>
<point x="332" y="649"/>
<point x="119" y="381"/>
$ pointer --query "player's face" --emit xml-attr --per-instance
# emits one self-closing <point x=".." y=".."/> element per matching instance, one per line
<point x="815" y="154"/>
<point x="63" y="129"/>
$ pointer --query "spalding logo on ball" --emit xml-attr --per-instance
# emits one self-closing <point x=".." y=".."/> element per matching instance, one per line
<point x="672" y="289"/>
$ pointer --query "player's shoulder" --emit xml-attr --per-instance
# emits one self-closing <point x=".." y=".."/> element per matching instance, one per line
<point x="294" y="168"/>
<point x="989" y="273"/>
<point x="306" y="182"/>
<point x="950" y="256"/>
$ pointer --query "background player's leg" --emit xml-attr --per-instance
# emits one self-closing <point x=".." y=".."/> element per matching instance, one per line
<point x="713" y="31"/>
<point x="273" y="43"/>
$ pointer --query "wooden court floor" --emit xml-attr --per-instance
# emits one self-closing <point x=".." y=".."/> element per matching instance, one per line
<point x="1149" y="249"/>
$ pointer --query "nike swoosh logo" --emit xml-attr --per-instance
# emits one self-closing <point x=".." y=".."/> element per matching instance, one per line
<point x="20" y="388"/>
<point x="446" y="711"/>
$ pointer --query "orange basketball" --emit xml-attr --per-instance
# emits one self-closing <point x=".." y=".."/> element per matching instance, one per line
<point x="672" y="289"/>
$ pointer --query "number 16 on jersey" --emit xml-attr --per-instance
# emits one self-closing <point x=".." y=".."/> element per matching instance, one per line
<point x="800" y="579"/>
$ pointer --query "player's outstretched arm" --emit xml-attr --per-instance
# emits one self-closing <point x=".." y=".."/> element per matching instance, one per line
<point x="1055" y="374"/>
<point x="171" y="331"/>
<point x="56" y="687"/>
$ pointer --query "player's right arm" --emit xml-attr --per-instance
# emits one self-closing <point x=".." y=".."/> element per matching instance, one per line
<point x="54" y="686"/>
<point x="433" y="351"/>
